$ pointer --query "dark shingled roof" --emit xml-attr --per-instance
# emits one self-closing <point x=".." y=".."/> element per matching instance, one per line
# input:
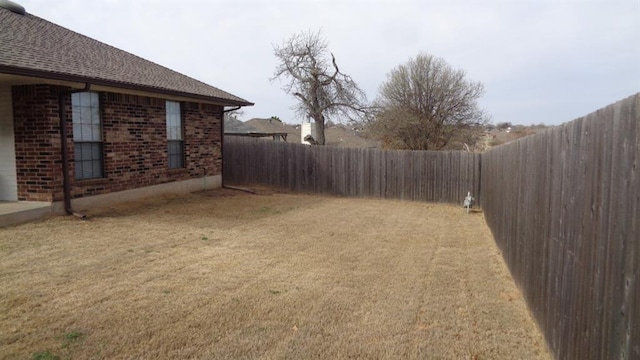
<point x="32" y="46"/>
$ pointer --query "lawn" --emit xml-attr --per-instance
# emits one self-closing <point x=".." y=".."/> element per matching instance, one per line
<point x="227" y="275"/>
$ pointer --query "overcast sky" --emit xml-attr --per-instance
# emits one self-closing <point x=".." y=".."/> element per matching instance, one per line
<point x="547" y="61"/>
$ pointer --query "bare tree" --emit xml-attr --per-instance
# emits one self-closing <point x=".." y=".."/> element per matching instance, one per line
<point x="312" y="76"/>
<point x="233" y="114"/>
<point x="425" y="104"/>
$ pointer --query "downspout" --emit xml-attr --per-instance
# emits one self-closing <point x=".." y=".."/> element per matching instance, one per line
<point x="480" y="179"/>
<point x="66" y="184"/>
<point x="222" y="139"/>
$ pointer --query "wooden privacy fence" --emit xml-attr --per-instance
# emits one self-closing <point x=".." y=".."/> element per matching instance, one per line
<point x="354" y="172"/>
<point x="563" y="205"/>
<point x="564" y="208"/>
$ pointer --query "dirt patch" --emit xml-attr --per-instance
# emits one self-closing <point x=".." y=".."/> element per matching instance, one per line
<point x="226" y="274"/>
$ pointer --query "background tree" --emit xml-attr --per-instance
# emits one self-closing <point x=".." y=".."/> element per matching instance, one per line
<point x="425" y="104"/>
<point x="503" y="125"/>
<point x="312" y="76"/>
<point x="233" y="114"/>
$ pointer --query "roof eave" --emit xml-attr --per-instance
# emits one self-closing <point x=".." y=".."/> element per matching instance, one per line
<point x="103" y="82"/>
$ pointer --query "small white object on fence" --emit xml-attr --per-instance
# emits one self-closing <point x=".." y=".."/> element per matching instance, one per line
<point x="307" y="129"/>
<point x="468" y="201"/>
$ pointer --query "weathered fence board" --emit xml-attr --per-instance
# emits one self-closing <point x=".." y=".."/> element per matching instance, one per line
<point x="563" y="206"/>
<point x="410" y="175"/>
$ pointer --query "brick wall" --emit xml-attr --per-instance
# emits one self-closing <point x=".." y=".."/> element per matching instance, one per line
<point x="134" y="143"/>
<point x="202" y="138"/>
<point x="37" y="143"/>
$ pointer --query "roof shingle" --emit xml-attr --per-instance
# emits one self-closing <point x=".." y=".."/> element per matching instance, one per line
<point x="36" y="47"/>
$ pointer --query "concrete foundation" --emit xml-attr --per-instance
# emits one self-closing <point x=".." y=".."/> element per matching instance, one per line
<point x="12" y="213"/>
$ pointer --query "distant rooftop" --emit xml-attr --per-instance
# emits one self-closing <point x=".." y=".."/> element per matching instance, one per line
<point x="233" y="125"/>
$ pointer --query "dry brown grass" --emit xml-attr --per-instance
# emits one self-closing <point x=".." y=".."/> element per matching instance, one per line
<point x="230" y="275"/>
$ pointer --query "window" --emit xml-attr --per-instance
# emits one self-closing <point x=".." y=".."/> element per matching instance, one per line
<point x="87" y="135"/>
<point x="175" y="150"/>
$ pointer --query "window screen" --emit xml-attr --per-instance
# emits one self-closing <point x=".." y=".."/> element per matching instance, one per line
<point x="175" y="147"/>
<point x="87" y="135"/>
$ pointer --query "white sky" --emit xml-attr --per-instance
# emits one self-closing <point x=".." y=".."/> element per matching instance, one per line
<point x="545" y="61"/>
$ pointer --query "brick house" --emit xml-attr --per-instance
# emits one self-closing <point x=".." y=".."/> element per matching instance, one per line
<point x="84" y="124"/>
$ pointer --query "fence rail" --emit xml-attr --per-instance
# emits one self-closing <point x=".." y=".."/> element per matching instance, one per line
<point x="354" y="172"/>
